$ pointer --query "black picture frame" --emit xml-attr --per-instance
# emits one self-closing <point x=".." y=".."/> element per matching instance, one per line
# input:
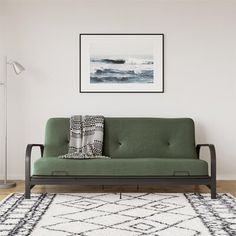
<point x="82" y="89"/>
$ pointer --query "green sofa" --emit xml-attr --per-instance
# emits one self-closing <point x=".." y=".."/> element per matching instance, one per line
<point x="142" y="151"/>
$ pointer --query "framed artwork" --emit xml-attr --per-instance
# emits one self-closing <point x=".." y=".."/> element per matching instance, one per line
<point x="121" y="63"/>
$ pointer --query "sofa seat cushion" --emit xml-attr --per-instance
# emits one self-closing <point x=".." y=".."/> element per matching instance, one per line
<point x="121" y="167"/>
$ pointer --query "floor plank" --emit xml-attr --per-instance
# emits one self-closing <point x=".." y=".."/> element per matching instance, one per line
<point x="228" y="186"/>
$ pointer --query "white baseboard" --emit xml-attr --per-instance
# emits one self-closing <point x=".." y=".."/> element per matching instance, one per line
<point x="14" y="177"/>
<point x="226" y="177"/>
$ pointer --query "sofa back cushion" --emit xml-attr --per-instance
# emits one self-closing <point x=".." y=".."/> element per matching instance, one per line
<point x="149" y="137"/>
<point x="57" y="136"/>
<point x="131" y="138"/>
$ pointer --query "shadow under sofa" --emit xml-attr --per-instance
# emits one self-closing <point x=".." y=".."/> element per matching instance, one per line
<point x="142" y="151"/>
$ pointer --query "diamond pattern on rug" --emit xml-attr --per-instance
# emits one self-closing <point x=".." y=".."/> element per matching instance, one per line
<point x="136" y="214"/>
<point x="142" y="226"/>
<point x="111" y="207"/>
<point x="170" y="218"/>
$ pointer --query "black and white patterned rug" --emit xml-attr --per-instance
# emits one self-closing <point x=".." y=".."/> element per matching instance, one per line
<point x="105" y="214"/>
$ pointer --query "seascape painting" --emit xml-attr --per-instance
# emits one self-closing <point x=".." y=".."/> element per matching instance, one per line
<point x="121" y="63"/>
<point x="121" y="69"/>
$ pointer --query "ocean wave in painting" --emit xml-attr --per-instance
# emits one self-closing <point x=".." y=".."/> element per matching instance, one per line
<point x="137" y="69"/>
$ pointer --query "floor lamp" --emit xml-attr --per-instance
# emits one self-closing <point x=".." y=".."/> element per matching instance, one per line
<point x="18" y="68"/>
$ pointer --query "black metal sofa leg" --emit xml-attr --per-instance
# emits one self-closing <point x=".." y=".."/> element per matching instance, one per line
<point x="213" y="190"/>
<point x="27" y="190"/>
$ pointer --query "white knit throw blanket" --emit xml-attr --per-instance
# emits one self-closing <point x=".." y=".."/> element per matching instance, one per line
<point x="86" y="137"/>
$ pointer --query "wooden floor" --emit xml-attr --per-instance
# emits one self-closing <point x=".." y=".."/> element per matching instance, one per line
<point x="228" y="186"/>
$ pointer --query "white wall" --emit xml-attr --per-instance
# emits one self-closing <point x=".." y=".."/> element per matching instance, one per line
<point x="200" y="62"/>
<point x="2" y="77"/>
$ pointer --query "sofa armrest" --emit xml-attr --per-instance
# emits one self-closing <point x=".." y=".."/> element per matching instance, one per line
<point x="28" y="158"/>
<point x="212" y="155"/>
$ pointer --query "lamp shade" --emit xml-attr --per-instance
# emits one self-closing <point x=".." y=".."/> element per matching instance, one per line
<point x="18" y="68"/>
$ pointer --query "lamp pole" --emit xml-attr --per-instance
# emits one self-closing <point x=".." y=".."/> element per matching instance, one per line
<point x="18" y="69"/>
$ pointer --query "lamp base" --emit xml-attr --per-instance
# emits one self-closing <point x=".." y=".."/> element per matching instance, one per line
<point x="7" y="184"/>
